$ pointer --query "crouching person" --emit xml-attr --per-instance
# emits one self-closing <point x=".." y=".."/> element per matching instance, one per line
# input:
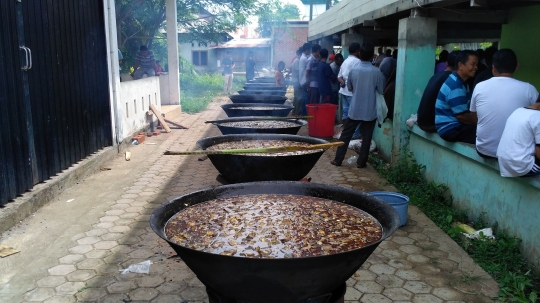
<point x="519" y="148"/>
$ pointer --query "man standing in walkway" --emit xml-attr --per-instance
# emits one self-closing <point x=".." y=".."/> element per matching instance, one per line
<point x="302" y="75"/>
<point x="144" y="63"/>
<point x="426" y="109"/>
<point x="325" y="78"/>
<point x="351" y="62"/>
<point x="311" y="73"/>
<point x="335" y="66"/>
<point x="454" y="121"/>
<point x="250" y="66"/>
<point x="228" y="65"/>
<point x="364" y="81"/>
<point x="494" y="100"/>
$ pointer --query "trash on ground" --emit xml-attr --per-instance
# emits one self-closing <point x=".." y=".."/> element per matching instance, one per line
<point x="472" y="233"/>
<point x="128" y="156"/>
<point x="135" y="142"/>
<point x="337" y="131"/>
<point x="356" y="144"/>
<point x="352" y="159"/>
<point x="412" y="120"/>
<point x="139" y="268"/>
<point x="151" y="143"/>
<point x="70" y="200"/>
<point x="105" y="168"/>
<point x="7" y="251"/>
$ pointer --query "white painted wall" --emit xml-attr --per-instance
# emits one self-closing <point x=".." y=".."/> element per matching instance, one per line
<point x="135" y="99"/>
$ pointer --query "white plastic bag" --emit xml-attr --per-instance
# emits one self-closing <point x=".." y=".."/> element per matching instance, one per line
<point x="412" y="120"/>
<point x="356" y="144"/>
<point x="337" y="131"/>
<point x="140" y="268"/>
<point x="382" y="109"/>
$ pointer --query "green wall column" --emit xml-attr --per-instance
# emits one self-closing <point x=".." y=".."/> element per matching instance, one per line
<point x="347" y="39"/>
<point x="415" y="66"/>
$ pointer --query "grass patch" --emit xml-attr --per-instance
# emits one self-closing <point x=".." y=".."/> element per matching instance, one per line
<point x="197" y="91"/>
<point x="501" y="258"/>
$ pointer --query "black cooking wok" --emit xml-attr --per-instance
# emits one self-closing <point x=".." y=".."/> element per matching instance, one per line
<point x="264" y="87"/>
<point x="263" y="92"/>
<point x="249" y="168"/>
<point x="276" y="280"/>
<point x="271" y="99"/>
<point x="263" y="80"/>
<point x="242" y="110"/>
<point x="231" y="130"/>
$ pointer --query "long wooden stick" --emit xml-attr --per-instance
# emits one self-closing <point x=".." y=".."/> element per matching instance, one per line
<point x="160" y="118"/>
<point x="254" y="150"/>
<point x="265" y="118"/>
<point x="174" y="123"/>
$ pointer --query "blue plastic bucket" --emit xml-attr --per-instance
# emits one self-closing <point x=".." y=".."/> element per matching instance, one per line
<point x="398" y="201"/>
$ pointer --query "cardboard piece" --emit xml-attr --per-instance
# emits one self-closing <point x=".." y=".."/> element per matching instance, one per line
<point x="7" y="251"/>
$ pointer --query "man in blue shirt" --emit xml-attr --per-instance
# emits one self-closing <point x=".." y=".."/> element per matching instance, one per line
<point x="453" y="120"/>
<point x="325" y="78"/>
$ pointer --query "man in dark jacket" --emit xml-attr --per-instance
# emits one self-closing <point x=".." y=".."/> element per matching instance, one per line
<point x="325" y="78"/>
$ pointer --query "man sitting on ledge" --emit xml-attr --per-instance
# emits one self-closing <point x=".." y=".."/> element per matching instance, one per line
<point x="494" y="100"/>
<point x="519" y="148"/>
<point x="144" y="63"/>
<point x="453" y="120"/>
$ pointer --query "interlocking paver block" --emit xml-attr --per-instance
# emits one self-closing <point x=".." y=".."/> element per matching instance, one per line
<point x="418" y="258"/>
<point x="176" y="275"/>
<point x="98" y="254"/>
<point x="121" y="287"/>
<point x="89" y="264"/>
<point x="69" y="288"/>
<point x="39" y="294"/>
<point x="369" y="287"/>
<point x="389" y="281"/>
<point x="88" y="240"/>
<point x="426" y="298"/>
<point x="71" y="259"/>
<point x="105" y="244"/>
<point x="397" y="294"/>
<point x="364" y="275"/>
<point x="80" y="249"/>
<point x="167" y="299"/>
<point x="91" y="294"/>
<point x="446" y="293"/>
<point x="51" y="281"/>
<point x="100" y="281"/>
<point x="60" y="299"/>
<point x="410" y="249"/>
<point x="403" y="240"/>
<point x="124" y="221"/>
<point x="143" y="294"/>
<point x="124" y="201"/>
<point x="81" y="275"/>
<point x="115" y="212"/>
<point x="194" y="293"/>
<point x="375" y="298"/>
<point x="408" y="274"/>
<point x="96" y="232"/>
<point x="141" y="253"/>
<point x="400" y="264"/>
<point x="61" y="270"/>
<point x="393" y="253"/>
<point x="119" y="229"/>
<point x="150" y="281"/>
<point x="417" y="287"/>
<point x="381" y="269"/>
<point x="352" y="294"/>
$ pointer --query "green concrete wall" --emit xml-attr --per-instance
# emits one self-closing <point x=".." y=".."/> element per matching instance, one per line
<point x="522" y="35"/>
<point x="383" y="138"/>
<point x="512" y="203"/>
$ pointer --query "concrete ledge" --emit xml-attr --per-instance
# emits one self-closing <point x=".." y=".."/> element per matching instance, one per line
<point x="469" y="151"/>
<point x="14" y="212"/>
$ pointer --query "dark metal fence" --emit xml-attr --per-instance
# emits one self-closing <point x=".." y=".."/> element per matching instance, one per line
<point x="54" y="97"/>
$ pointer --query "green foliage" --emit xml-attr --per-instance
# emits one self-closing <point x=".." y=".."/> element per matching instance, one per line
<point x="197" y="91"/>
<point x="275" y="14"/>
<point x="501" y="258"/>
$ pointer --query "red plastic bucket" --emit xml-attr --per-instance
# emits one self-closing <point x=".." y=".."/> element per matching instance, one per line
<point x="322" y="123"/>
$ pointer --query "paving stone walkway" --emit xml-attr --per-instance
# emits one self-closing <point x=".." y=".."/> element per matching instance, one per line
<point x="419" y="263"/>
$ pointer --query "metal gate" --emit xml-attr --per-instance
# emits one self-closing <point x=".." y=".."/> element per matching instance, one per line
<point x="54" y="97"/>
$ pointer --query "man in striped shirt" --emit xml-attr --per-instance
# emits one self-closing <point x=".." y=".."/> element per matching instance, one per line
<point x="453" y="120"/>
<point x="144" y="63"/>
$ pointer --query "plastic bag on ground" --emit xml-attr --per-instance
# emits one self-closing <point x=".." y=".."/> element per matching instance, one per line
<point x="337" y="131"/>
<point x="412" y="120"/>
<point x="140" y="268"/>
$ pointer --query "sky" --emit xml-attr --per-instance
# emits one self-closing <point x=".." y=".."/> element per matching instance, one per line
<point x="298" y="3"/>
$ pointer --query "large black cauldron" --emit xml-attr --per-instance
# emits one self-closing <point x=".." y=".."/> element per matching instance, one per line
<point x="263" y="92"/>
<point x="264" y="87"/>
<point x="249" y="168"/>
<point x="263" y="80"/>
<point x="232" y="130"/>
<point x="276" y="280"/>
<point x="243" y="110"/>
<point x="258" y="99"/>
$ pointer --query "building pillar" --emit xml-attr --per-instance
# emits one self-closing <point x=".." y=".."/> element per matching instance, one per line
<point x="328" y="43"/>
<point x="347" y="39"/>
<point x="172" y="50"/>
<point x="417" y="41"/>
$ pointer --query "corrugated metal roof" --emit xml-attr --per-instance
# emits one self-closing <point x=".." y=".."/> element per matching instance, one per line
<point x="245" y="43"/>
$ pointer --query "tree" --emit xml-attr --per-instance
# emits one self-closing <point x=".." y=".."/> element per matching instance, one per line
<point x="139" y="21"/>
<point x="275" y="14"/>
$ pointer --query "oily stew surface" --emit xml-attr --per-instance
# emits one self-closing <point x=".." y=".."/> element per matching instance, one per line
<point x="264" y="144"/>
<point x="273" y="226"/>
<point x="261" y="124"/>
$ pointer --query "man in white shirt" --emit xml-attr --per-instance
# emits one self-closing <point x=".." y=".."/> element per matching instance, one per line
<point x="351" y="62"/>
<point x="295" y="79"/>
<point x="519" y="147"/>
<point x="302" y="66"/>
<point x="494" y="100"/>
